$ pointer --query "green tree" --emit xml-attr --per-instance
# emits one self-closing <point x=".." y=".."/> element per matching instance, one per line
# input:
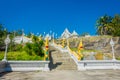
<point x="35" y="38"/>
<point x="38" y="48"/>
<point x="102" y="25"/>
<point x="3" y="31"/>
<point x="29" y="35"/>
<point x="116" y="25"/>
<point x="29" y="48"/>
<point x="19" y="32"/>
<point x="3" y="34"/>
<point x="85" y="33"/>
<point x="35" y="48"/>
<point x="108" y="25"/>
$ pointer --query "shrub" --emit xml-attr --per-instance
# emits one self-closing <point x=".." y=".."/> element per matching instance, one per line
<point x="1" y="55"/>
<point x="29" y="48"/>
<point x="99" y="56"/>
<point x="38" y="49"/>
<point x="15" y="47"/>
<point x="20" y="56"/>
<point x="35" y="48"/>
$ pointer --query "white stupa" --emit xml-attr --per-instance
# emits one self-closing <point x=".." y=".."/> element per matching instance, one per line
<point x="66" y="34"/>
<point x="47" y="36"/>
<point x="74" y="33"/>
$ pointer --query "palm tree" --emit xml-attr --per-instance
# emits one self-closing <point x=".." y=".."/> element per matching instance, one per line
<point x="102" y="25"/>
<point x="116" y="25"/>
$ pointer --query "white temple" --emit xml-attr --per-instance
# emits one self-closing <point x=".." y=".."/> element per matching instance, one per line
<point x="21" y="39"/>
<point x="67" y="34"/>
<point x="74" y="34"/>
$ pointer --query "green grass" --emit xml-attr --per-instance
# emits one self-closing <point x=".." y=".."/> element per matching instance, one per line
<point x="76" y="49"/>
<point x="118" y="58"/>
<point x="20" y="56"/>
<point x="1" y="55"/>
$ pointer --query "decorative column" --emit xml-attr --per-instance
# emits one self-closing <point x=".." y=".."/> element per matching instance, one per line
<point x="7" y="41"/>
<point x="63" y="42"/>
<point x="112" y="45"/>
<point x="46" y="49"/>
<point x="68" y="43"/>
<point x="53" y="38"/>
<point x="80" y="47"/>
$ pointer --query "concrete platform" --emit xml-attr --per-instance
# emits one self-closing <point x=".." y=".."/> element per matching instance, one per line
<point x="63" y="75"/>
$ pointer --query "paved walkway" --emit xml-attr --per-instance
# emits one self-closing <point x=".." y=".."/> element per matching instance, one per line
<point x="63" y="75"/>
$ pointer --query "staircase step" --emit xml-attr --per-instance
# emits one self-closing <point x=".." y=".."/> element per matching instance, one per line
<point x="67" y="63"/>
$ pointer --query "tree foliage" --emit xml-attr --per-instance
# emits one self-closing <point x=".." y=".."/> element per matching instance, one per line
<point x="29" y="35"/>
<point x="84" y="34"/>
<point x="33" y="49"/>
<point x="108" y="25"/>
<point x="3" y="31"/>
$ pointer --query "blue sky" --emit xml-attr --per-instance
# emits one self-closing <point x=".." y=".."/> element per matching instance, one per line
<point x="56" y="15"/>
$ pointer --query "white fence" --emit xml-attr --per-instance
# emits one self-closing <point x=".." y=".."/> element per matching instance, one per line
<point x="98" y="64"/>
<point x="27" y="66"/>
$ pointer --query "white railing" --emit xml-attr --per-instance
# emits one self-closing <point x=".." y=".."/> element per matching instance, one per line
<point x="98" y="64"/>
<point x="27" y="66"/>
<point x="58" y="47"/>
<point x="73" y="57"/>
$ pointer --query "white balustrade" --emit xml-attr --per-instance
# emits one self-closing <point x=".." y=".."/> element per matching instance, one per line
<point x="27" y="66"/>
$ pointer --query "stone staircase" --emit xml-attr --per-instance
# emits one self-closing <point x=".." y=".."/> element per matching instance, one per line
<point x="61" y="61"/>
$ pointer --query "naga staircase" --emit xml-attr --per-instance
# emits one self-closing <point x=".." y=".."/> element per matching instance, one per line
<point x="60" y="60"/>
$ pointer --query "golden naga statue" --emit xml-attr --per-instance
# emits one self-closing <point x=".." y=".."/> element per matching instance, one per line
<point x="80" y="47"/>
<point x="46" y="48"/>
<point x="46" y="44"/>
<point x="63" y="42"/>
<point x="78" y="55"/>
